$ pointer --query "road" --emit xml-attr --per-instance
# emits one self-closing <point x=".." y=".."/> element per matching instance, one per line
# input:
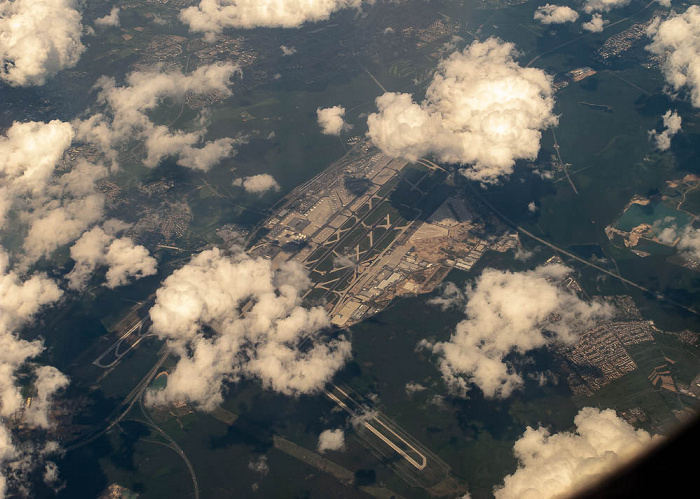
<point x="520" y="229"/>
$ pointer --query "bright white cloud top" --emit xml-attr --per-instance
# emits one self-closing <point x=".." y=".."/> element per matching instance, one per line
<point x="481" y="109"/>
<point x="38" y="39"/>
<point x="604" y="5"/>
<point x="672" y="125"/>
<point x="330" y="119"/>
<point x="54" y="209"/>
<point x="677" y="39"/>
<point x="111" y="19"/>
<point x="561" y="464"/>
<point x="21" y="299"/>
<point x="262" y="343"/>
<point x="258" y="184"/>
<point x="101" y="247"/>
<point x="511" y="312"/>
<point x="595" y="25"/>
<point x="125" y="116"/>
<point x="555" y="14"/>
<point x="213" y="16"/>
<point x="331" y="440"/>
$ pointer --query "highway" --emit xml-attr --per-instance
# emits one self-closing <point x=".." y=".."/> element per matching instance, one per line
<point x="520" y="229"/>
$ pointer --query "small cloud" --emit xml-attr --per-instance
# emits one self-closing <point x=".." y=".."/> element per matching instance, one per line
<point x="672" y="125"/>
<point x="412" y="388"/>
<point x="451" y="297"/>
<point x="604" y="5"/>
<point x="555" y="14"/>
<point x="331" y="120"/>
<point x="287" y="50"/>
<point x="331" y="440"/>
<point x="111" y="19"/>
<point x="257" y="184"/>
<point x="260" y="466"/>
<point x="595" y="25"/>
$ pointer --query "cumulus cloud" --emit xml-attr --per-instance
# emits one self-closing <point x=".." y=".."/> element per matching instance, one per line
<point x="53" y="209"/>
<point x="111" y="19"/>
<point x="451" y="297"/>
<point x="331" y="121"/>
<point x="555" y="14"/>
<point x="604" y="5"/>
<point x="511" y="312"/>
<point x="412" y="388"/>
<point x="101" y="247"/>
<point x="595" y="25"/>
<point x="48" y="381"/>
<point x="125" y="116"/>
<point x="39" y="38"/>
<point x="331" y="440"/>
<point x="689" y="243"/>
<point x="561" y="464"/>
<point x="213" y="16"/>
<point x="481" y="109"/>
<point x="228" y="317"/>
<point x="257" y="184"/>
<point x="21" y="299"/>
<point x="672" y="125"/>
<point x="287" y="50"/>
<point x="677" y="40"/>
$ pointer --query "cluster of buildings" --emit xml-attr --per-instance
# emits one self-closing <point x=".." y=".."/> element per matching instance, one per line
<point x="627" y="39"/>
<point x="600" y="356"/>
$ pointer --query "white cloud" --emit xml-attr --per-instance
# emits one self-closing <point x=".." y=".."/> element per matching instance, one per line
<point x="331" y="440"/>
<point x="111" y="19"/>
<point x="125" y="116"/>
<point x="331" y="121"/>
<point x="276" y="340"/>
<point x="258" y="184"/>
<point x="100" y="247"/>
<point x="287" y="50"/>
<point x="604" y="5"/>
<point x="561" y="464"/>
<point x="555" y="14"/>
<point x="8" y="452"/>
<point x="672" y="125"/>
<point x="689" y="243"/>
<point x="481" y="109"/>
<point x="664" y="3"/>
<point x="595" y="25"/>
<point x="412" y="388"/>
<point x="213" y="16"/>
<point x="52" y="209"/>
<point x="451" y="297"/>
<point x="39" y="38"/>
<point x="511" y="312"/>
<point x="48" y="381"/>
<point x="259" y="466"/>
<point x="532" y="207"/>
<point x="21" y="299"/>
<point x="677" y="39"/>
